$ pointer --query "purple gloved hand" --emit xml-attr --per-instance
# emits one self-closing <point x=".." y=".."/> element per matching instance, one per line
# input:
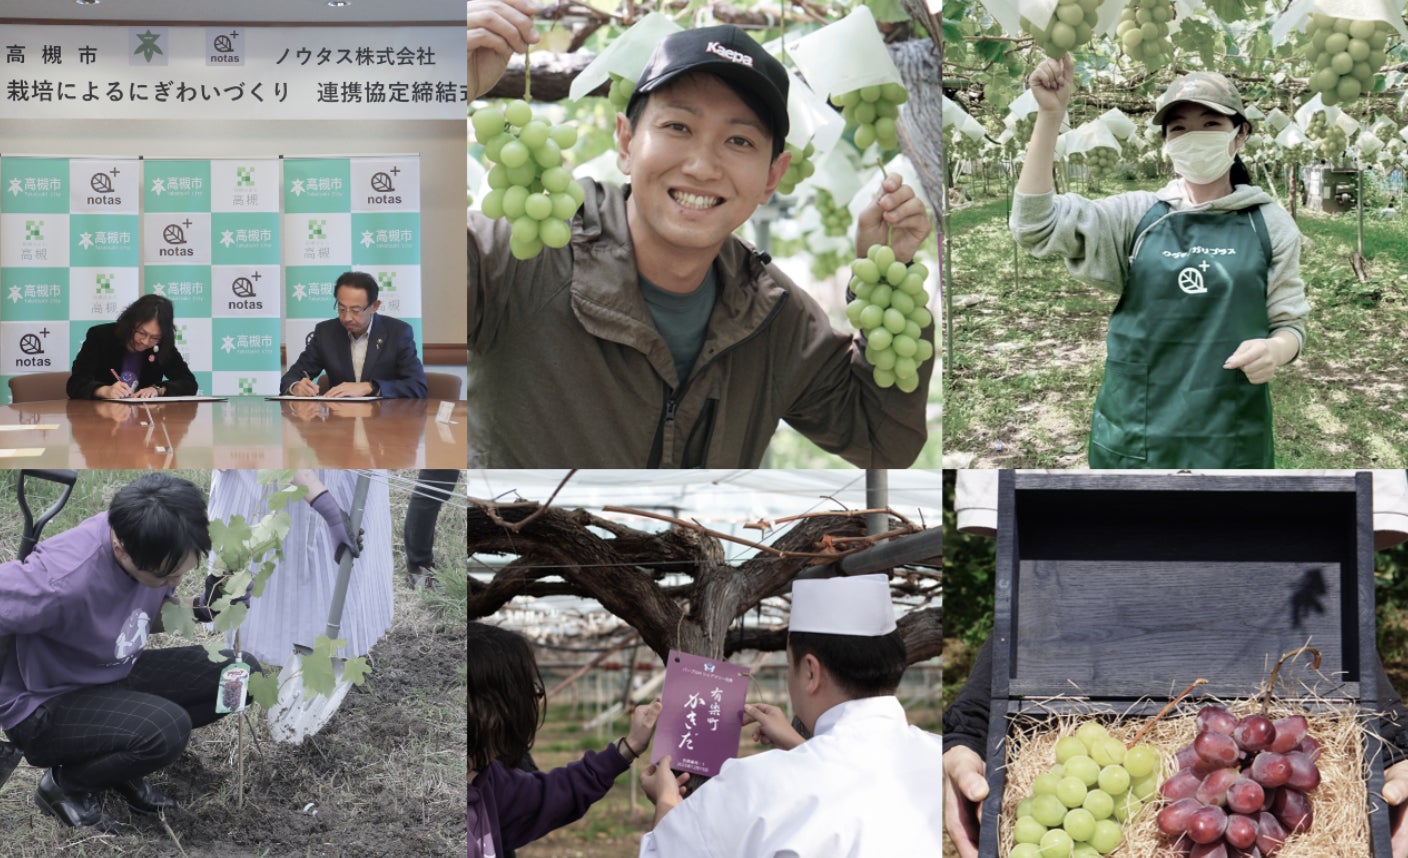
<point x="337" y="521"/>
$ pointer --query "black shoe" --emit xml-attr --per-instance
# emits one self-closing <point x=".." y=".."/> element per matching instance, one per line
<point x="423" y="576"/>
<point x="143" y="797"/>
<point x="74" y="809"/>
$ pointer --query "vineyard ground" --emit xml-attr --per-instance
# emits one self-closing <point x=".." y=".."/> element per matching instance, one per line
<point x="1029" y="350"/>
<point x="384" y="777"/>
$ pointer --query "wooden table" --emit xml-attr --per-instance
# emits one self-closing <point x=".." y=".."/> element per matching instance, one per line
<point x="241" y="432"/>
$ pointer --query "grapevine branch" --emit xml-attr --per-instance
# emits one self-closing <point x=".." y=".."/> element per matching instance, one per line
<point x="491" y="508"/>
<point x="1164" y="711"/>
<point x="696" y="526"/>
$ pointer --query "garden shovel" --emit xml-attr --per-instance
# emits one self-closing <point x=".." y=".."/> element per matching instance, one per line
<point x="9" y="754"/>
<point x="300" y="712"/>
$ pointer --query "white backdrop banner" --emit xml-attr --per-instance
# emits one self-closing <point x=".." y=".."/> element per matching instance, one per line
<point x="55" y="71"/>
<point x="68" y="256"/>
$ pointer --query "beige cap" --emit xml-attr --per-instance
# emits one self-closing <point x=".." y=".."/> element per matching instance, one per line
<point x="859" y="605"/>
<point x="1209" y="89"/>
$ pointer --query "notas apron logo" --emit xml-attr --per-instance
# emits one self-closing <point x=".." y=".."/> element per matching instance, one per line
<point x="1190" y="280"/>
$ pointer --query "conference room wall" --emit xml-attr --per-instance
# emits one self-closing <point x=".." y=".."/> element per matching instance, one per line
<point x="440" y="144"/>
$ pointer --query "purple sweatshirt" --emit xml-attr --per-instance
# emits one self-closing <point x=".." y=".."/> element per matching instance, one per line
<point x="509" y="808"/>
<point x="77" y="618"/>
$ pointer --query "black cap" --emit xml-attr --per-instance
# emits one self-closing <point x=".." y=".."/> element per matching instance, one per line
<point x="729" y="53"/>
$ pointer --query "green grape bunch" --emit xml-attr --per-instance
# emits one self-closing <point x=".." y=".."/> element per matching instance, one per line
<point x="1329" y="141"/>
<point x="1346" y="56"/>
<point x="529" y="182"/>
<point x="875" y="112"/>
<point x="1072" y="25"/>
<point x="1079" y="807"/>
<point x="799" y="170"/>
<point x="1143" y="31"/>
<point x="889" y="310"/>
<point x="620" y="91"/>
<point x="836" y="219"/>
<point x="1101" y="161"/>
<point x="1023" y="127"/>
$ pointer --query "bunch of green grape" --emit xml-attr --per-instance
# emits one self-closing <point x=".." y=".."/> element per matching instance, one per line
<point x="1143" y="30"/>
<point x="1023" y="127"/>
<point x="1071" y="25"/>
<point x="1101" y="161"/>
<point x="529" y="183"/>
<point x="1346" y="55"/>
<point x="836" y="219"/>
<point x="1078" y="808"/>
<point x="1330" y="140"/>
<point x="875" y="111"/>
<point x="799" y="170"/>
<point x="619" y="93"/>
<point x="889" y="309"/>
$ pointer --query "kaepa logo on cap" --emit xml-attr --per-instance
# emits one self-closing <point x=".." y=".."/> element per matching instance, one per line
<point x="729" y="54"/>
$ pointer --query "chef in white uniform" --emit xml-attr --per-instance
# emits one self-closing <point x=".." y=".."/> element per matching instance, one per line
<point x="866" y="785"/>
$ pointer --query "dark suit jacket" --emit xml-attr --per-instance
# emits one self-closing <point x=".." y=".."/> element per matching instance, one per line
<point x="391" y="358"/>
<point x="102" y="354"/>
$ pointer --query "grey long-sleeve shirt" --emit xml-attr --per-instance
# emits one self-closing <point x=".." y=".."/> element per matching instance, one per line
<point x="1097" y="236"/>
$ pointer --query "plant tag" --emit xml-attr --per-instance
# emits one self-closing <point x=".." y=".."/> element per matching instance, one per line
<point x="703" y="713"/>
<point x="234" y="685"/>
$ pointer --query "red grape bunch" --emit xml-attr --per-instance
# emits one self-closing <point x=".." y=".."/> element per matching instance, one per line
<point x="1242" y="787"/>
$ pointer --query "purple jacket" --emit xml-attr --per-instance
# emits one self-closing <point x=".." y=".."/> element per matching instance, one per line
<point x="509" y="808"/>
<point x="77" y="618"/>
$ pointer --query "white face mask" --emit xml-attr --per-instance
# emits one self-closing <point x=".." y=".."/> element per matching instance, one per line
<point x="1201" y="157"/>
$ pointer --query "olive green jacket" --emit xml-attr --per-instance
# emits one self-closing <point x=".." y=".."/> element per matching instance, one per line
<point x="567" y="369"/>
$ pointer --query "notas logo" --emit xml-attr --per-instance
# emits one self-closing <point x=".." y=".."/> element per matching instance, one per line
<point x="175" y="234"/>
<point x="102" y="184"/>
<point x="385" y="188"/>
<point x="243" y="287"/>
<point x="33" y="345"/>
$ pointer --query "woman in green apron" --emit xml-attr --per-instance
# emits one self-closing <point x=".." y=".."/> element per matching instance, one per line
<point x="1207" y="270"/>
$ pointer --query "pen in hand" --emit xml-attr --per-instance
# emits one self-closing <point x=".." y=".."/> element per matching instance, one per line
<point x="119" y="382"/>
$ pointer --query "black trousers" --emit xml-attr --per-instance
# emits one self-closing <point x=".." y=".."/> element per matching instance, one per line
<point x="98" y="737"/>
<point x="433" y="487"/>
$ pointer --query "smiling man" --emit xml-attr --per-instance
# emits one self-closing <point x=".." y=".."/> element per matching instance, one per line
<point x="658" y="338"/>
<point x="79" y="692"/>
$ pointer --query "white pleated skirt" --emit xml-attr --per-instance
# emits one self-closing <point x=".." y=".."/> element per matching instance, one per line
<point x="293" y="608"/>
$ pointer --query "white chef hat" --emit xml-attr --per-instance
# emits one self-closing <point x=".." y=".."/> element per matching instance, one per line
<point x="859" y="605"/>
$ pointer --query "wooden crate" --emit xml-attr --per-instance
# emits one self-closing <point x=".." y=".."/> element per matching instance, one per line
<point x="1118" y="590"/>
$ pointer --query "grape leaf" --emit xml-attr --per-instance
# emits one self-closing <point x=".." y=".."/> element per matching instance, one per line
<point x="176" y="619"/>
<point x="231" y="617"/>
<point x="1228" y="10"/>
<point x="318" y="675"/>
<point x="264" y="688"/>
<point x="887" y="11"/>
<point x="356" y="670"/>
